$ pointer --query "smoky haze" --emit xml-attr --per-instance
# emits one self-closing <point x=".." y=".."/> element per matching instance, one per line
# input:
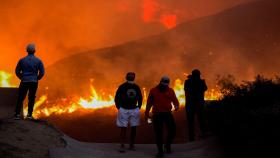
<point x="243" y="41"/>
<point x="65" y="27"/>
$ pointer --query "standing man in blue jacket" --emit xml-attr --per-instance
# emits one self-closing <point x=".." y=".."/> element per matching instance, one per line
<point x="29" y="70"/>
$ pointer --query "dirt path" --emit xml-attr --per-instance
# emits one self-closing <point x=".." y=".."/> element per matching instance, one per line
<point x="75" y="149"/>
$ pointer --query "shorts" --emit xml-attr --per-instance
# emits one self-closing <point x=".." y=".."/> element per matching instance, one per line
<point x="125" y="116"/>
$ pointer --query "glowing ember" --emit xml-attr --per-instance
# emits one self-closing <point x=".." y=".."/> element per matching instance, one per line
<point x="5" y="79"/>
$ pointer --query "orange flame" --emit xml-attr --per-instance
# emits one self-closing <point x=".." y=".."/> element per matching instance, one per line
<point x="169" y="20"/>
<point x="97" y="101"/>
<point x="41" y="101"/>
<point x="150" y="8"/>
<point x="153" y="11"/>
<point x="179" y="91"/>
<point x="5" y="79"/>
<point x="212" y="94"/>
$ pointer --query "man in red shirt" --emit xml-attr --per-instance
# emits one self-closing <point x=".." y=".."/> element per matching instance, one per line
<point x="161" y="99"/>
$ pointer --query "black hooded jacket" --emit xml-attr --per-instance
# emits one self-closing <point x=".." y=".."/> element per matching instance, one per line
<point x="128" y="96"/>
<point x="194" y="90"/>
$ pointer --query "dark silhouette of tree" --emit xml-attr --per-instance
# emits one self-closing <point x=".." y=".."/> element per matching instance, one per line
<point x="247" y="118"/>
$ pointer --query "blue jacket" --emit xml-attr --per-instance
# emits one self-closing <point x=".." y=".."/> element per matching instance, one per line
<point x="30" y="69"/>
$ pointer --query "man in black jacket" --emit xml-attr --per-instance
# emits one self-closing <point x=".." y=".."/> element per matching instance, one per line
<point x="195" y="88"/>
<point x="128" y="100"/>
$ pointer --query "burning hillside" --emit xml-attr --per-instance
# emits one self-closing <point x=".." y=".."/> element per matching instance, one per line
<point x="100" y="100"/>
<point x="175" y="52"/>
<point x="242" y="41"/>
<point x="94" y="100"/>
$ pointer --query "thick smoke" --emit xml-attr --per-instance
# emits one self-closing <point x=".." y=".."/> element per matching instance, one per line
<point x="65" y="27"/>
<point x="235" y="42"/>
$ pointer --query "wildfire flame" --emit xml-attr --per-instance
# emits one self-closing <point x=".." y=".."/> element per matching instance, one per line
<point x="154" y="11"/>
<point x="179" y="91"/>
<point x="38" y="103"/>
<point x="70" y="105"/>
<point x="97" y="101"/>
<point x="5" y="79"/>
<point x="43" y="108"/>
<point x="169" y="20"/>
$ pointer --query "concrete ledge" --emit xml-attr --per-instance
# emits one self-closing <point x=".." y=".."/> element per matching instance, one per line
<point x="8" y="98"/>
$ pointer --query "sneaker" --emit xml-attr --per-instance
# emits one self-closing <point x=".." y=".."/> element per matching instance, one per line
<point x="17" y="117"/>
<point x="29" y="117"/>
<point x="132" y="147"/>
<point x="122" y="149"/>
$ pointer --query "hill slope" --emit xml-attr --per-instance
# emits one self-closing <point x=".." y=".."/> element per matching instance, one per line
<point x="243" y="41"/>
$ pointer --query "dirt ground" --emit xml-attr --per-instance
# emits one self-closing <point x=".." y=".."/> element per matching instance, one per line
<point x="32" y="139"/>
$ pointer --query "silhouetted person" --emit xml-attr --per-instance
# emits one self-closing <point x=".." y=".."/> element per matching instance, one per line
<point x="195" y="88"/>
<point x="161" y="99"/>
<point x="29" y="70"/>
<point x="128" y="100"/>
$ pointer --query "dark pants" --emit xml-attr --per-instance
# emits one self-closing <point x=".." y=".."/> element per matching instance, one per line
<point x="24" y="87"/>
<point x="159" y="119"/>
<point x="192" y="110"/>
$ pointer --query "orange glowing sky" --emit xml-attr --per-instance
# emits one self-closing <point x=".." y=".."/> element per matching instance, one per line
<point x="64" y="27"/>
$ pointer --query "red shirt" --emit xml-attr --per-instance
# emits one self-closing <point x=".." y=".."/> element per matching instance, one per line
<point x="162" y="101"/>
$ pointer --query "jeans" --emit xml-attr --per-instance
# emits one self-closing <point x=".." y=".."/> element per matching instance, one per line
<point x="24" y="87"/>
<point x="159" y="120"/>
<point x="191" y="111"/>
